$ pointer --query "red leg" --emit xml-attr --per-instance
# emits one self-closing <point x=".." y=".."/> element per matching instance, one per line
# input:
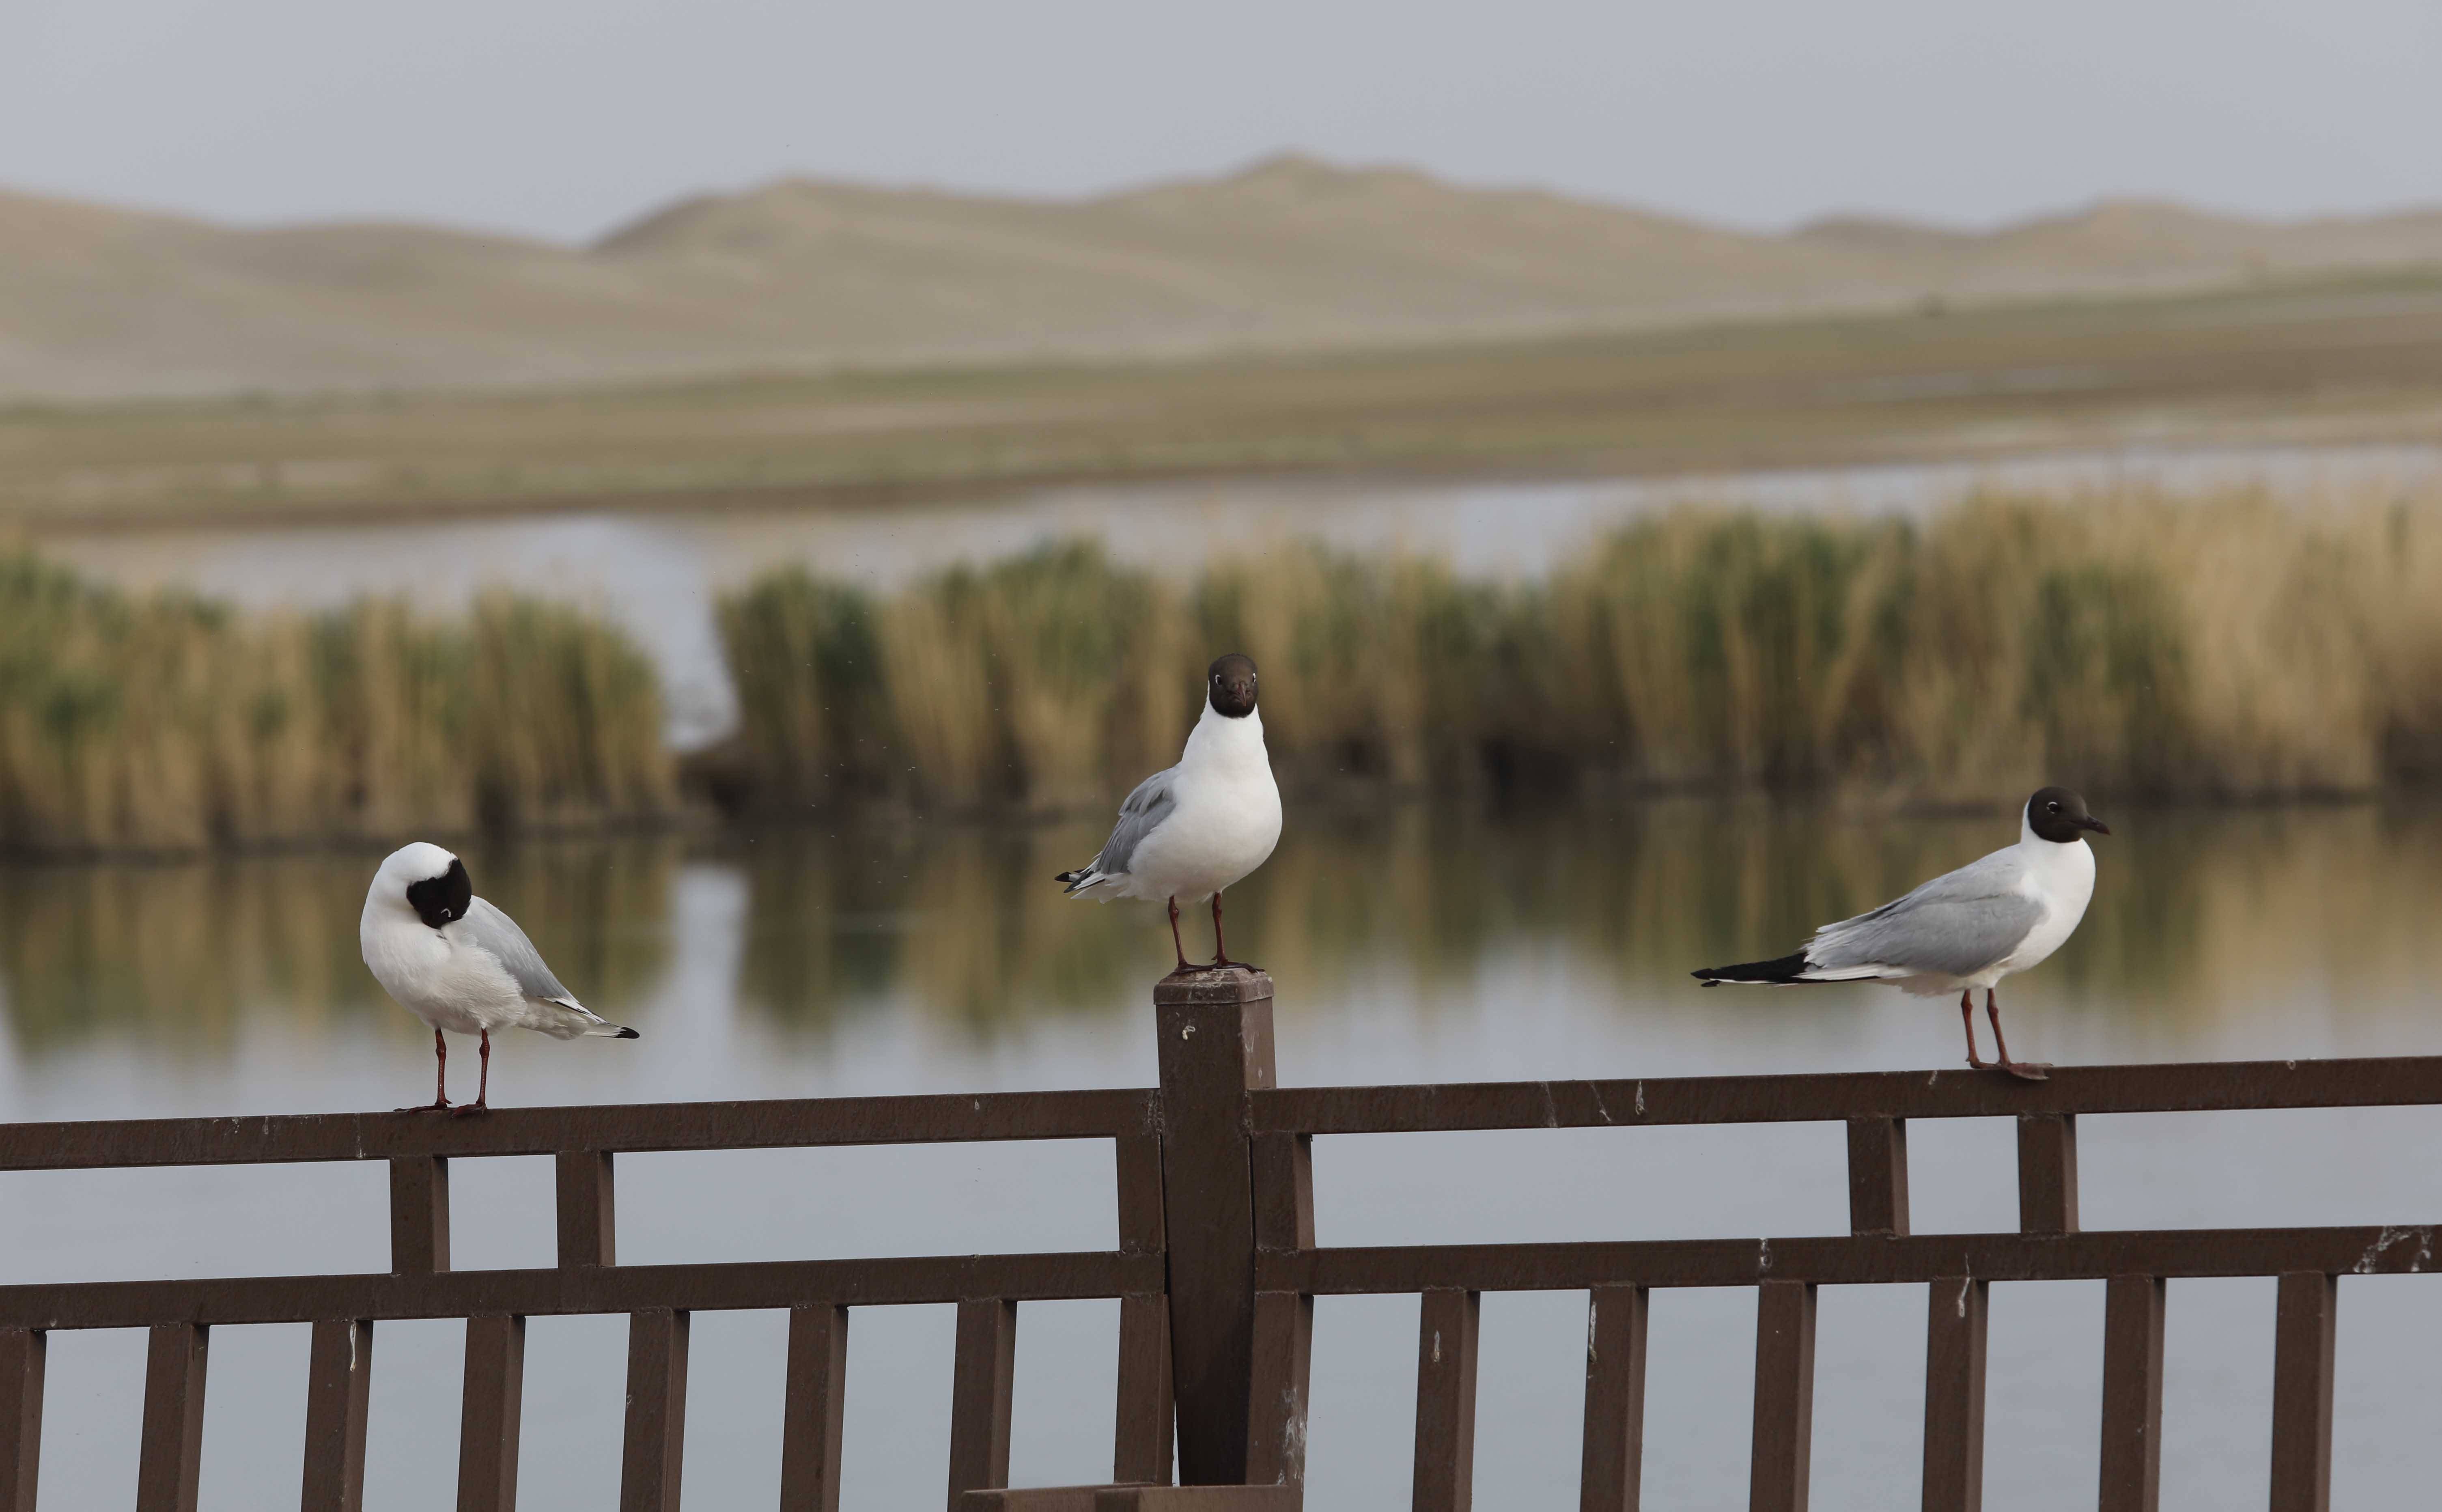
<point x="440" y="1077"/>
<point x="2016" y="1068"/>
<point x="1221" y="952"/>
<point x="1175" y="948"/>
<point x="484" y="1081"/>
<point x="1967" y="1018"/>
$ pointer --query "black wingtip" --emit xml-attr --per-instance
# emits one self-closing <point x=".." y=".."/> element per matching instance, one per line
<point x="628" y="1034"/>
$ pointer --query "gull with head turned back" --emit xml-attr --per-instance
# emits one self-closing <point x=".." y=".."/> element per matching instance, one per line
<point x="1964" y="929"/>
<point x="1195" y="829"/>
<point x="460" y="964"/>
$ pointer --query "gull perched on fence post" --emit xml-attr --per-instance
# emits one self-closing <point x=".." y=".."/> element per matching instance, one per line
<point x="1195" y="829"/>
<point x="460" y="964"/>
<point x="1964" y="929"/>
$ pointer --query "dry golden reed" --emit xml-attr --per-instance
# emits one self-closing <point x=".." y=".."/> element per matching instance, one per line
<point x="2130" y="644"/>
<point x="165" y="722"/>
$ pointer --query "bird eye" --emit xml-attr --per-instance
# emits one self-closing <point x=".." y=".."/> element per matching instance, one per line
<point x="2054" y="806"/>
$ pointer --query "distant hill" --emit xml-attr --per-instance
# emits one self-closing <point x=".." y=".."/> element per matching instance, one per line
<point x="1288" y="253"/>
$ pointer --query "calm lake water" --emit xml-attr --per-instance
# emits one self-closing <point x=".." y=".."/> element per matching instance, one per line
<point x="1408" y="944"/>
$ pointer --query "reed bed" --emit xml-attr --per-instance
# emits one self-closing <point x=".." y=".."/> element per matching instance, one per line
<point x="162" y="722"/>
<point x="2232" y="646"/>
<point x="2228" y="646"/>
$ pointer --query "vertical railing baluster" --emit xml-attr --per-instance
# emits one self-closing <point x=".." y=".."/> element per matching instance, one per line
<point x="588" y="1222"/>
<point x="982" y="1377"/>
<point x="2132" y="1394"/>
<point x="170" y="1459"/>
<point x="339" y="1390"/>
<point x="419" y="1214"/>
<point x="489" y="1410"/>
<point x="1612" y="1461"/>
<point x="1141" y="1436"/>
<point x="1214" y="1043"/>
<point x="2047" y="1173"/>
<point x="812" y="1413"/>
<point x="1878" y="1188"/>
<point x="2307" y="1308"/>
<point x="1281" y="1366"/>
<point x="1277" y="1379"/>
<point x="656" y="1433"/>
<point x="1957" y="1311"/>
<point x="1784" y="1398"/>
<point x="1446" y="1340"/>
<point x="22" y="1359"/>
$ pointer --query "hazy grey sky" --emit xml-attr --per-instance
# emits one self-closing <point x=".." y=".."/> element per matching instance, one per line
<point x="563" y="116"/>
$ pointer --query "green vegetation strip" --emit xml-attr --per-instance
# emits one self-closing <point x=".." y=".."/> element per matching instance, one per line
<point x="2129" y="645"/>
<point x="2228" y="646"/>
<point x="165" y="722"/>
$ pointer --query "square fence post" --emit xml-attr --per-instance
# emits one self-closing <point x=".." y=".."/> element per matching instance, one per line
<point x="1213" y="1031"/>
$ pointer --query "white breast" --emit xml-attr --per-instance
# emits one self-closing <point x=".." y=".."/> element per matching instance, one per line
<point x="447" y="985"/>
<point x="2061" y="876"/>
<point x="1226" y="818"/>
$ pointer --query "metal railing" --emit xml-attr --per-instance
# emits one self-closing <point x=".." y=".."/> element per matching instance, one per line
<point x="1216" y="1273"/>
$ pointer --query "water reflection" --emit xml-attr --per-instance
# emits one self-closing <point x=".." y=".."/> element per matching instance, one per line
<point x="2200" y="914"/>
<point x="182" y="952"/>
<point x="1411" y="943"/>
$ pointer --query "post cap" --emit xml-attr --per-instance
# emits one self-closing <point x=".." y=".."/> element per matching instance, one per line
<point x="1214" y="984"/>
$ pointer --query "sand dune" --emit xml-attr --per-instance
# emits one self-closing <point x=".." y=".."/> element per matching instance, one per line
<point x="800" y="274"/>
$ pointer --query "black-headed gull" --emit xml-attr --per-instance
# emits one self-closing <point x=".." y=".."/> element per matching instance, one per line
<point x="1198" y="826"/>
<point x="460" y="964"/>
<point x="1964" y="929"/>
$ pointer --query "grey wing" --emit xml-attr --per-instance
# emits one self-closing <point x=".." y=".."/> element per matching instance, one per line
<point x="1139" y="816"/>
<point x="1955" y="925"/>
<point x="496" y="933"/>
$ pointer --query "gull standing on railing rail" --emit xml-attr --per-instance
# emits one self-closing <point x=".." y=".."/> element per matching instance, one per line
<point x="1196" y="827"/>
<point x="460" y="964"/>
<point x="1964" y="929"/>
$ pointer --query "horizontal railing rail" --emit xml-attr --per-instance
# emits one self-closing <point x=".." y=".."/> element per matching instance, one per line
<point x="1839" y="1096"/>
<point x="631" y="1128"/>
<point x="1843" y="1260"/>
<point x="717" y="1287"/>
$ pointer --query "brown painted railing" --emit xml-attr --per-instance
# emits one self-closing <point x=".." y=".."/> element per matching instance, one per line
<point x="1876" y="1107"/>
<point x="1216" y="1271"/>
